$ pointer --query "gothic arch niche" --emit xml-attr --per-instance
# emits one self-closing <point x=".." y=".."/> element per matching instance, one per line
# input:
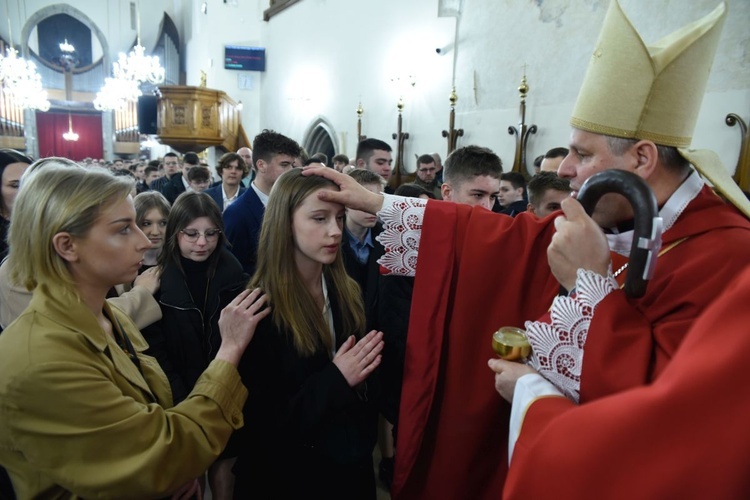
<point x="71" y="11"/>
<point x="320" y="138"/>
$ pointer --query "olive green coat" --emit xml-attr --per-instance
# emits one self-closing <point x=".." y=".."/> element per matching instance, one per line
<point x="77" y="418"/>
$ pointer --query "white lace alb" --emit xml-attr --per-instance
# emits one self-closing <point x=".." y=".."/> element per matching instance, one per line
<point x="557" y="348"/>
<point x="402" y="228"/>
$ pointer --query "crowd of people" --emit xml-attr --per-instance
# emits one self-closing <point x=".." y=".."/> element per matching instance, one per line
<point x="166" y="334"/>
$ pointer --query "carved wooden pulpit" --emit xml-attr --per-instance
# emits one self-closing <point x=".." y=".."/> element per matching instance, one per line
<point x="196" y="118"/>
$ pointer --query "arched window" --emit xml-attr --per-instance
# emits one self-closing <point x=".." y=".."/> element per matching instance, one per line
<point x="321" y="138"/>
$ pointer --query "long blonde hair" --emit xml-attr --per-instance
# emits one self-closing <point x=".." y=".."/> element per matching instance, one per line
<point x="294" y="308"/>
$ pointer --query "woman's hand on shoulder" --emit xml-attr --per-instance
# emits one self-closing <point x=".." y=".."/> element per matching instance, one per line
<point x="357" y="361"/>
<point x="150" y="279"/>
<point x="238" y="321"/>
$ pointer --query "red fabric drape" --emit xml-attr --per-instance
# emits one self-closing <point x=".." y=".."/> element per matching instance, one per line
<point x="52" y="126"/>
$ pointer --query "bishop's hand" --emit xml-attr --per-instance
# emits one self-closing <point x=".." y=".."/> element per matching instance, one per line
<point x="507" y="374"/>
<point x="351" y="194"/>
<point x="579" y="243"/>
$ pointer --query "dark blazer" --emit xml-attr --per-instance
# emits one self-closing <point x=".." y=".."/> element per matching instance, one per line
<point x="217" y="194"/>
<point x="4" y="225"/>
<point x="158" y="184"/>
<point x="394" y="312"/>
<point x="174" y="188"/>
<point x="180" y="342"/>
<point x="242" y="221"/>
<point x="307" y="434"/>
<point x="367" y="275"/>
<point x="514" y="208"/>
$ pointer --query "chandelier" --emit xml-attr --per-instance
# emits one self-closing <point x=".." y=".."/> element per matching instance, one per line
<point x="66" y="48"/>
<point x="129" y="72"/>
<point x="70" y="135"/>
<point x="21" y="81"/>
<point x="137" y="66"/>
<point x="116" y="94"/>
<point x="19" y="78"/>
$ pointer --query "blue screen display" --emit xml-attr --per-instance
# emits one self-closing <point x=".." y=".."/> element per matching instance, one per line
<point x="245" y="58"/>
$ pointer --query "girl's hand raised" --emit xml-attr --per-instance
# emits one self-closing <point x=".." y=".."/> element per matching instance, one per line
<point x="357" y="361"/>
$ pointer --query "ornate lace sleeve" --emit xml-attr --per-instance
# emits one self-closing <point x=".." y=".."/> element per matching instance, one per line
<point x="402" y="228"/>
<point x="557" y="348"/>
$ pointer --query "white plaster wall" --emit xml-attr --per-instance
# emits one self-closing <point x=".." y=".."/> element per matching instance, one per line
<point x="236" y="22"/>
<point x="326" y="55"/>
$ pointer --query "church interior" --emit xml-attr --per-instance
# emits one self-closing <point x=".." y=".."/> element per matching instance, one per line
<point x="137" y="80"/>
<point x="329" y="71"/>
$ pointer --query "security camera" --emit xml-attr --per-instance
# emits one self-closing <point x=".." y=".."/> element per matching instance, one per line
<point x="444" y="49"/>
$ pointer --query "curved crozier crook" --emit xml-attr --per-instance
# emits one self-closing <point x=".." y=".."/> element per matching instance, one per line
<point x="648" y="225"/>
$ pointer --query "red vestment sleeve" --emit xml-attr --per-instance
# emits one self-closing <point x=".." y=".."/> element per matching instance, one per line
<point x="477" y="271"/>
<point x="683" y="436"/>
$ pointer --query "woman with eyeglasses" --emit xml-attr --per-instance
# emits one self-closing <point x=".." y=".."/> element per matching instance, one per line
<point x="199" y="277"/>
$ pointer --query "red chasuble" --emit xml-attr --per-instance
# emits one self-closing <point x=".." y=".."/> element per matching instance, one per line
<point x="478" y="271"/>
<point x="684" y="436"/>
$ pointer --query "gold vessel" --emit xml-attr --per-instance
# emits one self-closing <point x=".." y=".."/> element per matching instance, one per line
<point x="510" y="343"/>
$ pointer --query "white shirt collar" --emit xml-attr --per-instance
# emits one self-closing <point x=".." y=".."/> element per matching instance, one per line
<point x="263" y="196"/>
<point x="227" y="197"/>
<point x="328" y="315"/>
<point x="670" y="212"/>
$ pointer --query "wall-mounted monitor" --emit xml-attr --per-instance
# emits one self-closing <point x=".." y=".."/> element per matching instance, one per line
<point x="244" y="58"/>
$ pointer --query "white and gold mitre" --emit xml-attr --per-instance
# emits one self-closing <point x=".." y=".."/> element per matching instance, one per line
<point x="654" y="92"/>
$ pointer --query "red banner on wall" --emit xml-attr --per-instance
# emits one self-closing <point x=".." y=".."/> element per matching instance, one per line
<point x="50" y="129"/>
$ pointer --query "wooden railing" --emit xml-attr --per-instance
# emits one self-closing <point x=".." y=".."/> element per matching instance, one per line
<point x="277" y="6"/>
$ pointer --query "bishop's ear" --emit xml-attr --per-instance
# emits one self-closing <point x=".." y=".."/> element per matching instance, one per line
<point x="647" y="156"/>
<point x="65" y="246"/>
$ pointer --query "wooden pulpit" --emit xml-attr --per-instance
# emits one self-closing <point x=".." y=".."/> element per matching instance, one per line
<point x="196" y="118"/>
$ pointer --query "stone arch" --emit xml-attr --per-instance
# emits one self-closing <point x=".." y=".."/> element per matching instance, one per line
<point x="52" y="10"/>
<point x="320" y="137"/>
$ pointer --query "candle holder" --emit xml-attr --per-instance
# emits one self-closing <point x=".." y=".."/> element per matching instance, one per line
<point x="452" y="134"/>
<point x="522" y="132"/>
<point x="400" y="136"/>
<point x="360" y="112"/>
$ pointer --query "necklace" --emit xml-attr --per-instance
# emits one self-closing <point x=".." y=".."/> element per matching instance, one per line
<point x="619" y="271"/>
